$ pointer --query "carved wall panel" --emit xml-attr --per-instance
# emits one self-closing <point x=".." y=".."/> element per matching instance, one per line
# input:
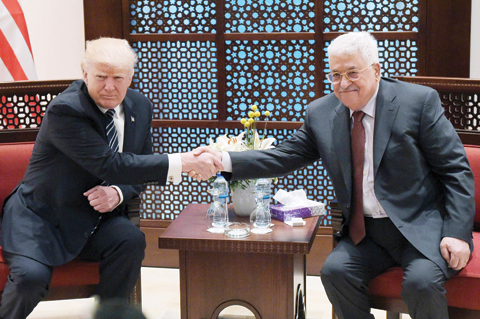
<point x="367" y="15"/>
<point x="23" y="110"/>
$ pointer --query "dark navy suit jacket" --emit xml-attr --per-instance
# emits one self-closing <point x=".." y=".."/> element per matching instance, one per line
<point x="422" y="176"/>
<point x="47" y="217"/>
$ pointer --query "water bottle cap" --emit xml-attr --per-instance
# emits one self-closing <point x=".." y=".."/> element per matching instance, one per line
<point x="219" y="174"/>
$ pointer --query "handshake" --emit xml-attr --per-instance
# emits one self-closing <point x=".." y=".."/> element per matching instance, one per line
<point x="202" y="163"/>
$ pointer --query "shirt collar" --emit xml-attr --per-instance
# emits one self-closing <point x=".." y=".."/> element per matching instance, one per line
<point x="118" y="109"/>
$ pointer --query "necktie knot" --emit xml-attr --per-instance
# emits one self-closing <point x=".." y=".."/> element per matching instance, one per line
<point x="358" y="116"/>
<point x="110" y="113"/>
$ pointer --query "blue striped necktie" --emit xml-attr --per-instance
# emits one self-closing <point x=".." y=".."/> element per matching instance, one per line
<point x="112" y="136"/>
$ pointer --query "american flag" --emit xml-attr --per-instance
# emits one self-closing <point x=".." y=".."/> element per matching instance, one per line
<point x="16" y="57"/>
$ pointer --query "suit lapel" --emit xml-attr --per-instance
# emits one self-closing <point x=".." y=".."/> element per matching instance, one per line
<point x="99" y="119"/>
<point x="130" y="125"/>
<point x="341" y="139"/>
<point x="386" y="111"/>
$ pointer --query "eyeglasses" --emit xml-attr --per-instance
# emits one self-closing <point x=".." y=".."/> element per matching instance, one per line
<point x="352" y="75"/>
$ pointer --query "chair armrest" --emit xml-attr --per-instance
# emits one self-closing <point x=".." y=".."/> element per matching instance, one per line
<point x="133" y="209"/>
<point x="337" y="216"/>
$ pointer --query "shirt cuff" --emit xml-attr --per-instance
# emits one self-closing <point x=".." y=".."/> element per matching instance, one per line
<point x="120" y="194"/>
<point x="227" y="162"/>
<point x="174" y="174"/>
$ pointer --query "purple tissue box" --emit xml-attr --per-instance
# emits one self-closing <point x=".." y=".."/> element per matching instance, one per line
<point x="278" y="211"/>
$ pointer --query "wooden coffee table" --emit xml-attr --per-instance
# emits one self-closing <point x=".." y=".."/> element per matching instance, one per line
<point x="264" y="273"/>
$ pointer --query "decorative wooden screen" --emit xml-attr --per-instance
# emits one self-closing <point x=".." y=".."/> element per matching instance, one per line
<point x="23" y="104"/>
<point x="204" y="62"/>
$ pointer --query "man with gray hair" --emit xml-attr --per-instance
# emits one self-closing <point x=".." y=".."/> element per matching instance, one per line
<point x="92" y="154"/>
<point x="401" y="178"/>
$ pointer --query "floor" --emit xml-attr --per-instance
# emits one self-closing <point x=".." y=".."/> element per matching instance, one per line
<point x="161" y="300"/>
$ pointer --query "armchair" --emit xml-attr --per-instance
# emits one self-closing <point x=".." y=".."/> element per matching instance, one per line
<point x="76" y="279"/>
<point x="463" y="290"/>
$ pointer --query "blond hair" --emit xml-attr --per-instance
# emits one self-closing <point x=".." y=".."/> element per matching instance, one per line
<point x="110" y="51"/>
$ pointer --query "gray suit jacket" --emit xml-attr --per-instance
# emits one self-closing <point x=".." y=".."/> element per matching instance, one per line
<point x="47" y="217"/>
<point x="422" y="176"/>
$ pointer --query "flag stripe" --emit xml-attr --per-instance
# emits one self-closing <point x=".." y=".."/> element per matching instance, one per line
<point x="10" y="59"/>
<point x="15" y="49"/>
<point x="4" y="72"/>
<point x="13" y="6"/>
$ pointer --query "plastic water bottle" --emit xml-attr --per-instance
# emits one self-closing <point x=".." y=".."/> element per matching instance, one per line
<point x="220" y="186"/>
<point x="262" y="186"/>
<point x="261" y="217"/>
<point x="216" y="214"/>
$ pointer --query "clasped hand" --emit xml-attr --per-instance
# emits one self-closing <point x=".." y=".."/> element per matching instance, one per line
<point x="202" y="163"/>
<point x="103" y="198"/>
<point x="455" y="251"/>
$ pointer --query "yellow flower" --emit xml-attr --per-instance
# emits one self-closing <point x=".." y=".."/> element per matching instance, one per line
<point x="249" y="139"/>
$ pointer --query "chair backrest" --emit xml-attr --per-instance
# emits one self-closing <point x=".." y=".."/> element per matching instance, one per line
<point x="473" y="154"/>
<point x="14" y="158"/>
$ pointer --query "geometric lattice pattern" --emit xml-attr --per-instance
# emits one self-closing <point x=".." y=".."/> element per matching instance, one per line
<point x="269" y="16"/>
<point x="368" y="15"/>
<point x="179" y="77"/>
<point x="23" y="110"/>
<point x="167" y="202"/>
<point x="172" y="16"/>
<point x="276" y="75"/>
<point x="462" y="109"/>
<point x="398" y="57"/>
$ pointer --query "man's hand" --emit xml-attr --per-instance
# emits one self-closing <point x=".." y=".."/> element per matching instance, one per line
<point x="203" y="150"/>
<point x="455" y="251"/>
<point x="202" y="166"/>
<point x="103" y="198"/>
<point x="206" y="149"/>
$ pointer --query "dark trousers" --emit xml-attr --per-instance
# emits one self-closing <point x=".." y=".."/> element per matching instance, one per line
<point x="349" y="269"/>
<point x="117" y="244"/>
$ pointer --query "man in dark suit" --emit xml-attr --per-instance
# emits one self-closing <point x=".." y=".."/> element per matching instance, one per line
<point x="415" y="187"/>
<point x="85" y="166"/>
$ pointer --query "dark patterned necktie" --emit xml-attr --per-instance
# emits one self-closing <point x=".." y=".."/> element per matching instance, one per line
<point x="357" y="222"/>
<point x="112" y="136"/>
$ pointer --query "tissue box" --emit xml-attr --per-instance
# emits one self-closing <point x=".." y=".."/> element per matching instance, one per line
<point x="278" y="211"/>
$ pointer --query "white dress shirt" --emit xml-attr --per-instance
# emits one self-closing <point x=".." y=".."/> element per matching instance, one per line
<point x="174" y="161"/>
<point x="371" y="206"/>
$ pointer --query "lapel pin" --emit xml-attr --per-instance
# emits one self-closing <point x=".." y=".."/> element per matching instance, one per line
<point x="132" y="119"/>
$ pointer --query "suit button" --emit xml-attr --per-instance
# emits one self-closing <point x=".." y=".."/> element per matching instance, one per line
<point x="86" y="235"/>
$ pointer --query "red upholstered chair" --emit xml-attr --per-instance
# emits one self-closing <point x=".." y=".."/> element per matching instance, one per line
<point x="463" y="290"/>
<point x="76" y="279"/>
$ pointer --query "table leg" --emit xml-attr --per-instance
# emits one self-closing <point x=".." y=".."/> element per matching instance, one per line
<point x="267" y="284"/>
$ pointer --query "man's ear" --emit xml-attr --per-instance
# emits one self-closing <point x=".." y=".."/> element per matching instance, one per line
<point x="378" y="71"/>
<point x="84" y="73"/>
